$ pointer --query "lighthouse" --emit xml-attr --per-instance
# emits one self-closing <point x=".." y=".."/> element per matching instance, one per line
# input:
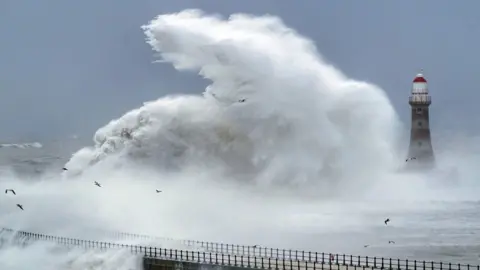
<point x="420" y="151"/>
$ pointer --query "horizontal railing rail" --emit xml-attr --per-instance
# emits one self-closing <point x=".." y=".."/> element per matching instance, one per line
<point x="276" y="260"/>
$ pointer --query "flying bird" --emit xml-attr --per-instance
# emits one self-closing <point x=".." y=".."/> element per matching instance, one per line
<point x="242" y="100"/>
<point x="158" y="191"/>
<point x="412" y="158"/>
<point x="11" y="190"/>
<point x="65" y="169"/>
<point x="97" y="184"/>
<point x="365" y="246"/>
<point x="20" y="206"/>
<point x="386" y="221"/>
<point x="391" y="242"/>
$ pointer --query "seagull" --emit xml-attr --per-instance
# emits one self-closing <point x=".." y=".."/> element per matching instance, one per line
<point x="391" y="242"/>
<point x="412" y="158"/>
<point x="20" y="206"/>
<point x="386" y="221"/>
<point x="97" y="184"/>
<point x="365" y="246"/>
<point x="158" y="191"/>
<point x="256" y="246"/>
<point x="242" y="100"/>
<point x="11" y="190"/>
<point x="65" y="169"/>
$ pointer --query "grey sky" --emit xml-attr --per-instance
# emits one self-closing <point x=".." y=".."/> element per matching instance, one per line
<point x="71" y="66"/>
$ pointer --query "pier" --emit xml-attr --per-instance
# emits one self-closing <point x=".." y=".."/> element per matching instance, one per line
<point x="227" y="256"/>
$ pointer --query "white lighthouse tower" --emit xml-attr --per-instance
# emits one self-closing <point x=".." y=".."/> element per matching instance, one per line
<point x="420" y="151"/>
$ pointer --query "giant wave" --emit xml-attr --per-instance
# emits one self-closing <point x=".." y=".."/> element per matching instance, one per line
<point x="275" y="113"/>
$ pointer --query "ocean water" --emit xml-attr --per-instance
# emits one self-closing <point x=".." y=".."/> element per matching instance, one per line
<point x="282" y="150"/>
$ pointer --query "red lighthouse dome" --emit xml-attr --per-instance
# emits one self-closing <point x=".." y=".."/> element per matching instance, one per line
<point x="419" y="78"/>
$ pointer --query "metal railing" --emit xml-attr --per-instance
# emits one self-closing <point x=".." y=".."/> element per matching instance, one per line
<point x="291" y="260"/>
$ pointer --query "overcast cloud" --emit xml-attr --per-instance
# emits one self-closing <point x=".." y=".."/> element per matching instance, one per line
<point x="68" y="67"/>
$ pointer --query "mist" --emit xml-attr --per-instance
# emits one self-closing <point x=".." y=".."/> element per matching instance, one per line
<point x="281" y="149"/>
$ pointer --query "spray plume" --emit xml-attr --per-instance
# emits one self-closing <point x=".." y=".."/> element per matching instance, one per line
<point x="275" y="112"/>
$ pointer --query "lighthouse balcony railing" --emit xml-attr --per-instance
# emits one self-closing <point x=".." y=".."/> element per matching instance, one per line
<point x="420" y="99"/>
